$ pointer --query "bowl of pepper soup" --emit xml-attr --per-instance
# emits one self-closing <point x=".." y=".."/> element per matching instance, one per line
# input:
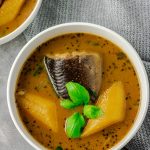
<point x="15" y="16"/>
<point x="78" y="86"/>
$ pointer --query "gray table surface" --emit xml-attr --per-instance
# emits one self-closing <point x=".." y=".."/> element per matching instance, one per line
<point x="10" y="139"/>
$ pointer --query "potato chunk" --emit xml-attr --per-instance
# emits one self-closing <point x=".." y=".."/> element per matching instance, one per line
<point x="42" y="109"/>
<point x="9" y="10"/>
<point x="113" y="105"/>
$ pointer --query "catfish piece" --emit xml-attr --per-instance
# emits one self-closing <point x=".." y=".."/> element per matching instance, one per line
<point x="82" y="67"/>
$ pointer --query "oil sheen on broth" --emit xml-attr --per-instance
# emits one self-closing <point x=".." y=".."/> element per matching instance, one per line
<point x="116" y="66"/>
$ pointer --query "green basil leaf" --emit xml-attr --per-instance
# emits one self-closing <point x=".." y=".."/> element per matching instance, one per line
<point x="68" y="104"/>
<point x="92" y="112"/>
<point x="74" y="125"/>
<point x="78" y="93"/>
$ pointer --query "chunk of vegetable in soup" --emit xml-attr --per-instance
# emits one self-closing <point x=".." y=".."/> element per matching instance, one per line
<point x="9" y="10"/>
<point x="116" y="67"/>
<point x="16" y="18"/>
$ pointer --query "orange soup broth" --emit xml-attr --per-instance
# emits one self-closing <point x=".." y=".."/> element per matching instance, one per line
<point x="116" y="67"/>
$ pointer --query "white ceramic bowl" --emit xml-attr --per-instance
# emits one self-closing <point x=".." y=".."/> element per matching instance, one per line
<point x="42" y="37"/>
<point x="23" y="26"/>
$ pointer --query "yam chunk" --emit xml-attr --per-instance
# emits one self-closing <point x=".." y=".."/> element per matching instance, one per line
<point x="42" y="109"/>
<point x="113" y="105"/>
<point x="9" y="10"/>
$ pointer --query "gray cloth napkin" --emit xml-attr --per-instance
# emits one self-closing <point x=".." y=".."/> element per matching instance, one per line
<point x="129" y="18"/>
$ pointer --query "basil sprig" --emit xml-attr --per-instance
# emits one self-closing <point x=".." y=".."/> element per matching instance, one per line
<point x="78" y="93"/>
<point x="74" y="125"/>
<point x="67" y="104"/>
<point x="92" y="112"/>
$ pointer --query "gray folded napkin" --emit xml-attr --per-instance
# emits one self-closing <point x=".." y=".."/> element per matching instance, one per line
<point x="129" y="18"/>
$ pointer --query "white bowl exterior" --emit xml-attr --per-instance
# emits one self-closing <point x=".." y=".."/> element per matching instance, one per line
<point x="23" y="26"/>
<point x="73" y="28"/>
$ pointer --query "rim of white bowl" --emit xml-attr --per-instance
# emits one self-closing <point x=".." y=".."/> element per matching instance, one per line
<point x="107" y="34"/>
<point x="23" y="26"/>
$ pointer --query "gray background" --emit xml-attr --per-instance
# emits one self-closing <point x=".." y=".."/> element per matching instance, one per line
<point x="129" y="18"/>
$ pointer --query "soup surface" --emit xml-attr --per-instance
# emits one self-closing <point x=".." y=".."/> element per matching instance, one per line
<point x="116" y="67"/>
<point x="23" y="14"/>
